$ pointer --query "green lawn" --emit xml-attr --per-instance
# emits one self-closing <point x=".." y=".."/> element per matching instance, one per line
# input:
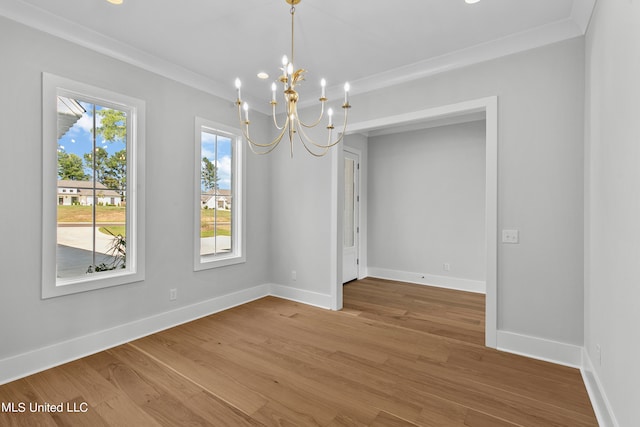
<point x="208" y="215"/>
<point x="115" y="230"/>
<point x="85" y="213"/>
<point x="115" y="214"/>
<point x="222" y="219"/>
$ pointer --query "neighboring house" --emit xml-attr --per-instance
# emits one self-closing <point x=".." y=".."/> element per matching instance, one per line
<point x="216" y="199"/>
<point x="81" y="193"/>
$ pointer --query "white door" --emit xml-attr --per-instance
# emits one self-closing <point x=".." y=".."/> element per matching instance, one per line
<point x="351" y="229"/>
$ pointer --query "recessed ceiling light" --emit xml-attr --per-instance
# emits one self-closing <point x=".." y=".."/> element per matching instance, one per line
<point x="115" y="1"/>
<point x="262" y="75"/>
<point x="471" y="1"/>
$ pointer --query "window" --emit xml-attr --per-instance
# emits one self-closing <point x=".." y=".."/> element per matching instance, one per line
<point x="219" y="214"/>
<point x="93" y="142"/>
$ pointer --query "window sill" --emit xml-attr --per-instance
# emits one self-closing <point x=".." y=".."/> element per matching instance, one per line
<point x="89" y="283"/>
<point x="207" y="262"/>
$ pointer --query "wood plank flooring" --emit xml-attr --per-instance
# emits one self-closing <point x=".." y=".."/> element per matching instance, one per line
<point x="397" y="355"/>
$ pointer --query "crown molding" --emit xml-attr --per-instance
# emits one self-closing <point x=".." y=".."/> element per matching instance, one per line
<point x="86" y="37"/>
<point x="537" y="37"/>
<point x="574" y="26"/>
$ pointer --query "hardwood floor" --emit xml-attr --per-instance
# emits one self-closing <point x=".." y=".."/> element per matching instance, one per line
<point x="397" y="355"/>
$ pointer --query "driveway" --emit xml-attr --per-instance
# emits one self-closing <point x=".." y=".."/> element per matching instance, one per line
<point x="211" y="245"/>
<point x="75" y="250"/>
<point x="81" y="237"/>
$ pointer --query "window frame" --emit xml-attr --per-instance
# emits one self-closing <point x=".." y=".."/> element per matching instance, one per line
<point x="52" y="87"/>
<point x="238" y="172"/>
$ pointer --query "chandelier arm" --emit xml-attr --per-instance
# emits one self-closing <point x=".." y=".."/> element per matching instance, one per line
<point x="275" y="120"/>
<point x="344" y="127"/>
<point x="253" y="150"/>
<point x="272" y="144"/>
<point x="269" y="147"/>
<point x="302" y="136"/>
<point x="308" y="143"/>
<point x="314" y="124"/>
<point x="329" y="143"/>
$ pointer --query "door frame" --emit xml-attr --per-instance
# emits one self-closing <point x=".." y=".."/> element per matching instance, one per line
<point x="489" y="106"/>
<point x="358" y="153"/>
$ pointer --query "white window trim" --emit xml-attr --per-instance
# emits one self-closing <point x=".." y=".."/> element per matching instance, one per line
<point x="52" y="86"/>
<point x="238" y="235"/>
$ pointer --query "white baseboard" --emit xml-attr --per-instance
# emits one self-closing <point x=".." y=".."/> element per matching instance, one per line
<point x="300" y="295"/>
<point x="541" y="349"/>
<point x="568" y="355"/>
<point x="37" y="360"/>
<point x="22" y="365"/>
<point x="457" y="283"/>
<point x="599" y="401"/>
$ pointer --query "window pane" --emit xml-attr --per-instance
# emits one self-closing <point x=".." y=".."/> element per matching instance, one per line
<point x="224" y="226"/>
<point x="92" y="170"/>
<point x="216" y="181"/>
<point x="208" y="184"/>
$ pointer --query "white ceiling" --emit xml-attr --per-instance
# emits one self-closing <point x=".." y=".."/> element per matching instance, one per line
<point x="370" y="43"/>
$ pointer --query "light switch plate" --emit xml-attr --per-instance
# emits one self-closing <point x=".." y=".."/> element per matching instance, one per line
<point x="510" y="236"/>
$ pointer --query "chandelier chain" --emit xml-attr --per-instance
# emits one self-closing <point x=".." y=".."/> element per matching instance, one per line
<point x="293" y="12"/>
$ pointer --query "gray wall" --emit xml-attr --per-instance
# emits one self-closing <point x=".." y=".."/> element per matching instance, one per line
<point x="612" y="229"/>
<point x="540" y="188"/>
<point x="289" y="202"/>
<point x="29" y="322"/>
<point x="300" y="211"/>
<point x="426" y="201"/>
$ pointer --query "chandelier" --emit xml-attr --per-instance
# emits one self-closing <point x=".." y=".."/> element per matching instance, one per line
<point x="293" y="126"/>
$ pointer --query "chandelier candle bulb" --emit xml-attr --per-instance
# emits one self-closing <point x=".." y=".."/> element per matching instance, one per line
<point x="285" y="77"/>
<point x="346" y="93"/>
<point x="273" y="92"/>
<point x="323" y="84"/>
<point x="290" y="69"/>
<point x="238" y="84"/>
<point x="330" y="114"/>
<point x="246" y="112"/>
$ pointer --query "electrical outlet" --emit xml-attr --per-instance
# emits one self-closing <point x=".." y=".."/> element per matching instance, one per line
<point x="510" y="236"/>
<point x="173" y="294"/>
<point x="293" y="275"/>
<point x="598" y="354"/>
<point x="446" y="266"/>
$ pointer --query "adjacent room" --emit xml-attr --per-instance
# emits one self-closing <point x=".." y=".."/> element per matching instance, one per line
<point x="426" y="205"/>
<point x="425" y="213"/>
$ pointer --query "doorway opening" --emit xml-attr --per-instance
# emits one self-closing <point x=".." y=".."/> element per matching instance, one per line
<point x="449" y="114"/>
